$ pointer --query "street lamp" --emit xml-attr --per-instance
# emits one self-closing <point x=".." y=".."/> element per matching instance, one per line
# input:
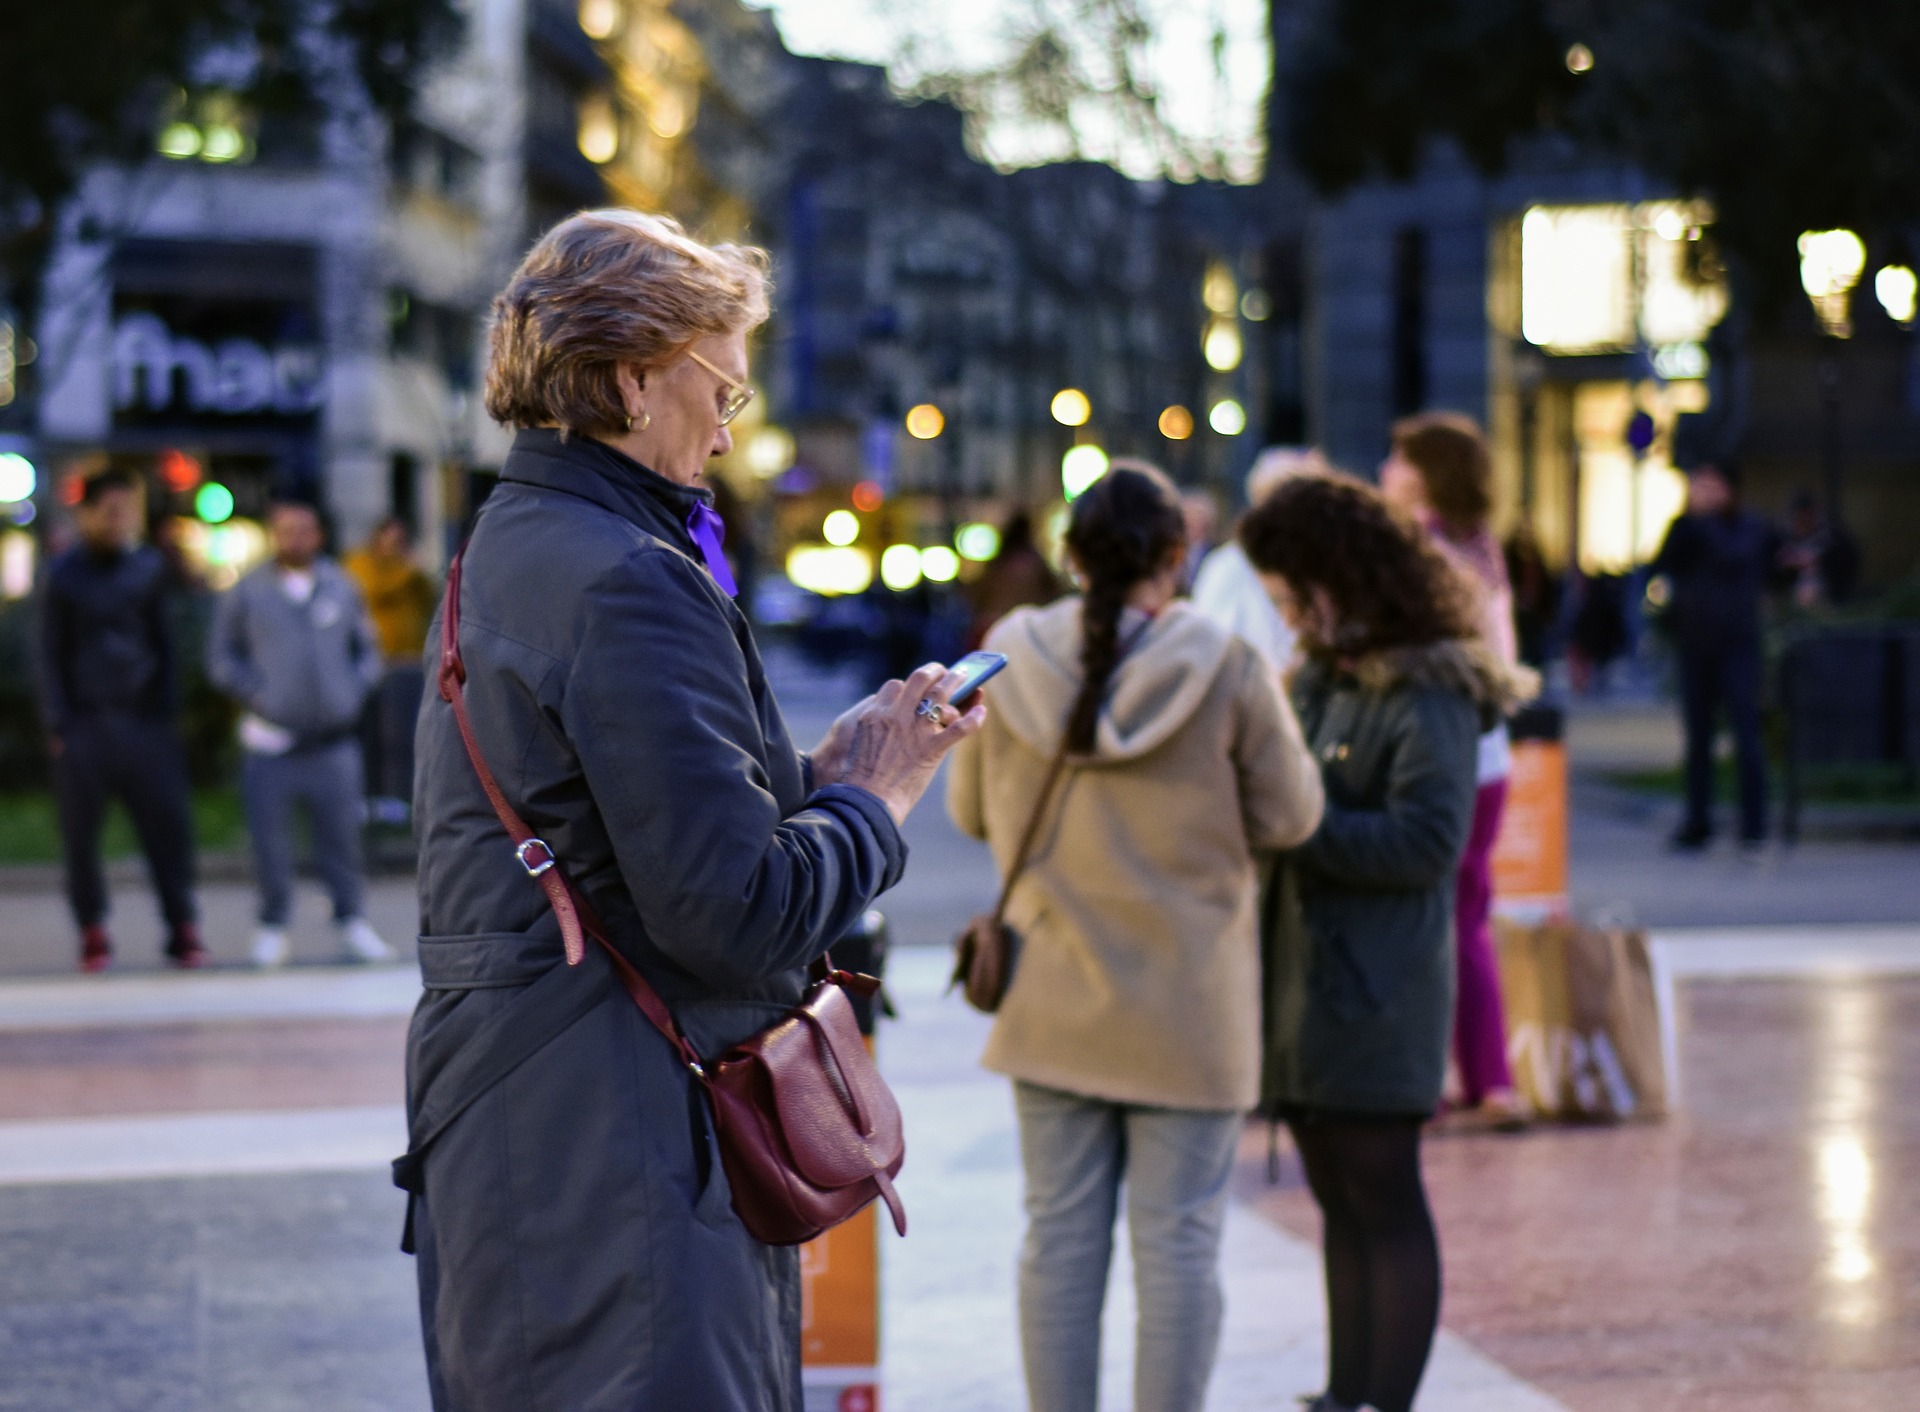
<point x="1831" y="262"/>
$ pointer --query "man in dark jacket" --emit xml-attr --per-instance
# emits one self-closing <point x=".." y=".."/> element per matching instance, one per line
<point x="291" y="641"/>
<point x="109" y="696"/>
<point x="1720" y="561"/>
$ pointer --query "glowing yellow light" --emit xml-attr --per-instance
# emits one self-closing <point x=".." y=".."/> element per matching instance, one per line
<point x="179" y="140"/>
<point x="1228" y="417"/>
<point x="222" y="143"/>
<point x="977" y="542"/>
<point x="599" y="135"/>
<point x="1080" y="468"/>
<point x="1222" y="346"/>
<point x="1896" y="287"/>
<point x="1218" y="290"/>
<point x="769" y="452"/>
<point x="599" y="18"/>
<point x="925" y="422"/>
<point x="1176" y="423"/>
<point x="667" y="115"/>
<point x="1071" y="407"/>
<point x="818" y="568"/>
<point x="940" y="564"/>
<point x="1576" y="278"/>
<point x="1831" y="262"/>
<point x="1579" y="59"/>
<point x="900" y="567"/>
<point x="842" y="527"/>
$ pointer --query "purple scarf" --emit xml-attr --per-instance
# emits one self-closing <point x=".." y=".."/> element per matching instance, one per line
<point x="709" y="531"/>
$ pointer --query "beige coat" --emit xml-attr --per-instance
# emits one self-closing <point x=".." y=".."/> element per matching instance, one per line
<point x="1139" y="978"/>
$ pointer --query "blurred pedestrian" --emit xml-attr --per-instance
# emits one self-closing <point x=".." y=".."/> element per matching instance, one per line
<point x="1536" y="596"/>
<point x="1200" y="509"/>
<point x="577" y="1241"/>
<point x="1396" y="688"/>
<point x="292" y="644"/>
<point x="1227" y="590"/>
<point x="1440" y="474"/>
<point x="1822" y="559"/>
<point x="110" y="699"/>
<point x="1018" y="575"/>
<point x="1720" y="561"/>
<point x="1131" y="1027"/>
<point x="399" y="597"/>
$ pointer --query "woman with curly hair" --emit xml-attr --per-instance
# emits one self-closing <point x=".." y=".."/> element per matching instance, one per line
<point x="1394" y="692"/>
<point x="1131" y="1028"/>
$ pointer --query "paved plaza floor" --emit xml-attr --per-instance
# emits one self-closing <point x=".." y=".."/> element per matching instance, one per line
<point x="194" y="1212"/>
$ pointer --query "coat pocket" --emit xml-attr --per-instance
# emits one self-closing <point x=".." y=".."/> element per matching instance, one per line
<point x="713" y="1197"/>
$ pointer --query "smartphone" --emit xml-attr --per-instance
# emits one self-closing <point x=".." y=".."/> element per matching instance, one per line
<point x="974" y="669"/>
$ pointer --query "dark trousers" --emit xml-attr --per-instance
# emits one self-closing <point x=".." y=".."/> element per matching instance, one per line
<point x="386" y="734"/>
<point x="140" y="761"/>
<point x="327" y="780"/>
<point x="1718" y="678"/>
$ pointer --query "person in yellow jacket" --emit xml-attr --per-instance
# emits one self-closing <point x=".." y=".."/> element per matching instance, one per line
<point x="400" y="598"/>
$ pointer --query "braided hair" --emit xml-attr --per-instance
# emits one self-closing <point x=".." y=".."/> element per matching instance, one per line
<point x="1121" y="531"/>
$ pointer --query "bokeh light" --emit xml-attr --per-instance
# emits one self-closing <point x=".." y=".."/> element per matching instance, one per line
<point x="1080" y="468"/>
<point x="1228" y="417"/>
<point x="940" y="564"/>
<point x="900" y="567"/>
<point x="841" y="528"/>
<point x="925" y="422"/>
<point x="977" y="542"/>
<point x="214" y="503"/>
<point x="18" y="478"/>
<point x="1176" y="423"/>
<point x="1071" y="408"/>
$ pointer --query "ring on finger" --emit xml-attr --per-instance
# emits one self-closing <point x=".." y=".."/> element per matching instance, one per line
<point x="931" y="710"/>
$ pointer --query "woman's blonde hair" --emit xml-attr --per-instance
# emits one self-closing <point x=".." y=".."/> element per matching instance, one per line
<point x="604" y="288"/>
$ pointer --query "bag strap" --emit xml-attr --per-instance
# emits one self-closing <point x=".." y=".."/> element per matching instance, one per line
<point x="576" y="917"/>
<point x="1024" y="854"/>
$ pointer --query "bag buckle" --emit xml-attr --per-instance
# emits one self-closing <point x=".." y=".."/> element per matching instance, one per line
<point x="534" y="856"/>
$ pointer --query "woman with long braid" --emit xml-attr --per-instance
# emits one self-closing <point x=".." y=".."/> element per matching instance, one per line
<point x="1131" y="1028"/>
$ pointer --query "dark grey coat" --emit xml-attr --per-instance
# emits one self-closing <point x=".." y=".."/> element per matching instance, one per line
<point x="1359" y="942"/>
<point x="577" y="1246"/>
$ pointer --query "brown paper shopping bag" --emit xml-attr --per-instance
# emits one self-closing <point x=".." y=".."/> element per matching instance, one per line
<point x="1583" y="1020"/>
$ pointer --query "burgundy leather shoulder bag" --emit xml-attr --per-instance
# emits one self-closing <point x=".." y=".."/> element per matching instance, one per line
<point x="809" y="1133"/>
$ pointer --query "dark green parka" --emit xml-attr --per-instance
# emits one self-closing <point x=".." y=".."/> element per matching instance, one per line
<point x="1358" y="945"/>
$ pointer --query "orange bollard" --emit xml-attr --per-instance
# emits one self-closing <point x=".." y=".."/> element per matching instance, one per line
<point x="840" y="1315"/>
<point x="1530" y="856"/>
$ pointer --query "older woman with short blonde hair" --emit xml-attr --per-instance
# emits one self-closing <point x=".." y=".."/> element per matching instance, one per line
<point x="576" y="1238"/>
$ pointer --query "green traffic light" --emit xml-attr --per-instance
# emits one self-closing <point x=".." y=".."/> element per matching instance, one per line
<point x="213" y="503"/>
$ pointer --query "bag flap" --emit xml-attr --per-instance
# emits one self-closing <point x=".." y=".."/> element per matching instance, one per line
<point x="826" y="1088"/>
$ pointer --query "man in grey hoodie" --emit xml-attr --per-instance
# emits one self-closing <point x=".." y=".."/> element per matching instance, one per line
<point x="291" y="642"/>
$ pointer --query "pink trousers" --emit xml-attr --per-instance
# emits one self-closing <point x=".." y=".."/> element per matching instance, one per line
<point x="1479" y="1024"/>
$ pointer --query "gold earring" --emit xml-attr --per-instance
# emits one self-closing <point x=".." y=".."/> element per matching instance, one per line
<point x="646" y="420"/>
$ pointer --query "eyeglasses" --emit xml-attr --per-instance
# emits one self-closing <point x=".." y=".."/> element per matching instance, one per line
<point x="738" y="393"/>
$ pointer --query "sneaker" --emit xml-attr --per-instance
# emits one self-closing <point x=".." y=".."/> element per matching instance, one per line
<point x="360" y="942"/>
<point x="96" y="951"/>
<point x="184" y="949"/>
<point x="270" y="948"/>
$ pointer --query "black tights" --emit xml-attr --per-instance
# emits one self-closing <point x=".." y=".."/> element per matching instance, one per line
<point x="1382" y="1255"/>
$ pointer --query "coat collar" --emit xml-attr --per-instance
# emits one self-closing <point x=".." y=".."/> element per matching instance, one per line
<point x="593" y="470"/>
